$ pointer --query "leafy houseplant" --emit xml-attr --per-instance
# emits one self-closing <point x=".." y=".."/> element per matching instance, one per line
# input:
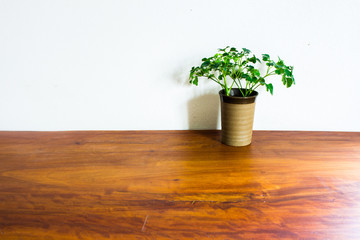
<point x="238" y="73"/>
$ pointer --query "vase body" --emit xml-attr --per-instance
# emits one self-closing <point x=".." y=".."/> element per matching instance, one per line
<point x="237" y="117"/>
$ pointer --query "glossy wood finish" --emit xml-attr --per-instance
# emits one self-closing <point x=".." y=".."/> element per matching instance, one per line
<point x="179" y="185"/>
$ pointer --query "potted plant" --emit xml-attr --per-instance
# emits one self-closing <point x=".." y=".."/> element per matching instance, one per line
<point x="238" y="73"/>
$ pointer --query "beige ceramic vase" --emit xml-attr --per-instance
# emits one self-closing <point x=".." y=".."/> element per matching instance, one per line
<point x="237" y="117"/>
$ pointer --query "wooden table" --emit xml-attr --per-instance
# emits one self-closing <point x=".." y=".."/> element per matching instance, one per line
<point x="179" y="185"/>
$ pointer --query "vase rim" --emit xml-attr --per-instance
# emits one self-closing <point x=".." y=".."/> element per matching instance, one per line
<point x="236" y="97"/>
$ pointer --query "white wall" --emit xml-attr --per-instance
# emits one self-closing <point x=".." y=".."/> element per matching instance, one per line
<point x="123" y="65"/>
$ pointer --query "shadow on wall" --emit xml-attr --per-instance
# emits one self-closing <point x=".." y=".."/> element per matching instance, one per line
<point x="203" y="112"/>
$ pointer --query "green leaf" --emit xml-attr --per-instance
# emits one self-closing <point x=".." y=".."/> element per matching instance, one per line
<point x="246" y="51"/>
<point x="255" y="72"/>
<point x="220" y="77"/>
<point x="224" y="49"/>
<point x="244" y="62"/>
<point x="269" y="88"/>
<point x="279" y="71"/>
<point x="280" y="63"/>
<point x="250" y="67"/>
<point x="289" y="82"/>
<point x="270" y="64"/>
<point x="196" y="81"/>
<point x="252" y="79"/>
<point x="253" y="59"/>
<point x="279" y="66"/>
<point x="233" y="49"/>
<point x="205" y="64"/>
<point x="265" y="57"/>
<point x="244" y="75"/>
<point x="288" y="73"/>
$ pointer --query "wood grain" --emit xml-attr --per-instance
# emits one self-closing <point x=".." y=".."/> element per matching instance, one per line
<point x="179" y="185"/>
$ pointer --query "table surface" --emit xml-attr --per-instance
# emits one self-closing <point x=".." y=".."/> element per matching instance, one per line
<point x="179" y="185"/>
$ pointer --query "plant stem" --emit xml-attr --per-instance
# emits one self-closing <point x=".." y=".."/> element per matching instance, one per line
<point x="268" y="70"/>
<point x="218" y="82"/>
<point x="242" y="91"/>
<point x="239" y="86"/>
<point x="253" y="89"/>
<point x="269" y="74"/>
<point x="247" y="88"/>
<point x="232" y="84"/>
<point x="240" y="61"/>
<point x="226" y="88"/>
